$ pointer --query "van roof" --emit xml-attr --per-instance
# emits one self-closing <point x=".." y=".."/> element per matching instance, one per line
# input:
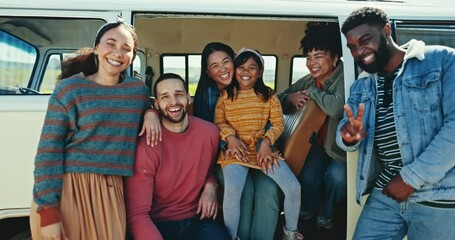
<point x="429" y="8"/>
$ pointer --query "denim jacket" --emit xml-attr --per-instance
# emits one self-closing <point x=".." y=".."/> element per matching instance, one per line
<point x="205" y="103"/>
<point x="424" y="116"/>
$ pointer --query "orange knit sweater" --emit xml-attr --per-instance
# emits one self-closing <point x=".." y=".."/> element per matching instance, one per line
<point x="246" y="117"/>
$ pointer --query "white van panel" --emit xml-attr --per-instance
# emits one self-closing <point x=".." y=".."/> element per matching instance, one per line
<point x="21" y="121"/>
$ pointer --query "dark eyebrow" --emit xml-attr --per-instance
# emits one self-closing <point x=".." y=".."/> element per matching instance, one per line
<point x="213" y="64"/>
<point x="112" y="39"/>
<point x="364" y="36"/>
<point x="162" y="94"/>
<point x="167" y="92"/>
<point x="361" y="38"/>
<point x="224" y="59"/>
<point x="115" y="40"/>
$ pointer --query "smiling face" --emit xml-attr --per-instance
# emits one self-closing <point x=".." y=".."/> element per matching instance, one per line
<point x="247" y="74"/>
<point x="172" y="101"/>
<point x="368" y="46"/>
<point x="220" y="68"/>
<point x="115" y="51"/>
<point x="321" y="64"/>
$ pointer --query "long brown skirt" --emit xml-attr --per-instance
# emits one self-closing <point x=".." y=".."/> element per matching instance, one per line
<point x="92" y="207"/>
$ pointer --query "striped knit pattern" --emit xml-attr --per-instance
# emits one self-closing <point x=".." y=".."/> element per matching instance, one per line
<point x="385" y="135"/>
<point x="88" y="128"/>
<point x="246" y="117"/>
<point x="440" y="203"/>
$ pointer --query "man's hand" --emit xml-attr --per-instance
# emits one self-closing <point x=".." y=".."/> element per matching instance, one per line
<point x="298" y="99"/>
<point x="353" y="130"/>
<point x="53" y="232"/>
<point x="208" y="204"/>
<point x="152" y="127"/>
<point x="397" y="189"/>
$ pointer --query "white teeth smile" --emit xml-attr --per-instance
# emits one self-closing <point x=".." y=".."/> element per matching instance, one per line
<point x="174" y="109"/>
<point x="245" y="78"/>
<point x="368" y="58"/>
<point x="113" y="62"/>
<point x="225" y="76"/>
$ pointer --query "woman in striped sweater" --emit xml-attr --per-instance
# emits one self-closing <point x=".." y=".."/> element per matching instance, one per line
<point x="88" y="141"/>
<point x="242" y="113"/>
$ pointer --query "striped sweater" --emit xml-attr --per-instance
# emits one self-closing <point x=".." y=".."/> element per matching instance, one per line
<point x="246" y="117"/>
<point x="89" y="128"/>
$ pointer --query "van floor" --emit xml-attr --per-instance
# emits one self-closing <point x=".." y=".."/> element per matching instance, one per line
<point x="311" y="232"/>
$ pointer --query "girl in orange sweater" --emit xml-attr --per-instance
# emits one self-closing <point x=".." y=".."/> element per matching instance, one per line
<point x="242" y="113"/>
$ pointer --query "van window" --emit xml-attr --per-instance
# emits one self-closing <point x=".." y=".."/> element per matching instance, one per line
<point x="182" y="65"/>
<point x="31" y="49"/>
<point x="270" y="66"/>
<point x="298" y="68"/>
<point x="17" y="59"/>
<point x="194" y="72"/>
<point x="432" y="33"/>
<point x="137" y="66"/>
<point x="175" y="64"/>
<point x="191" y="64"/>
<point x="53" y="70"/>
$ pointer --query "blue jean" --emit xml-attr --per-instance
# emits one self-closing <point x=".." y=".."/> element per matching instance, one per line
<point x="384" y="218"/>
<point x="235" y="176"/>
<point x="321" y="171"/>
<point x="266" y="207"/>
<point x="259" y="206"/>
<point x="192" y="229"/>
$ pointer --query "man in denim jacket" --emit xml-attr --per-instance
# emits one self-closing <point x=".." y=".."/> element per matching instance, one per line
<point x="401" y="118"/>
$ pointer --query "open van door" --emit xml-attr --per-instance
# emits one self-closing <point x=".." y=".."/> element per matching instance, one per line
<point x="32" y="44"/>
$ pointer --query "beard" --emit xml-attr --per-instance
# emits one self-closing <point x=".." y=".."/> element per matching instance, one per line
<point x="381" y="56"/>
<point x="171" y="119"/>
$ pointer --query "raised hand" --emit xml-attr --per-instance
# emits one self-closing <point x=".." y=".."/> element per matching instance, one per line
<point x="353" y="130"/>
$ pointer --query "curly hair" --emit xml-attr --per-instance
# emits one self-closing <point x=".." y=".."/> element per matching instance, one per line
<point x="322" y="36"/>
<point x="370" y="15"/>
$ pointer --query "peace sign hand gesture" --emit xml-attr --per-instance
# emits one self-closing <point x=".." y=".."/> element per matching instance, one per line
<point x="353" y="130"/>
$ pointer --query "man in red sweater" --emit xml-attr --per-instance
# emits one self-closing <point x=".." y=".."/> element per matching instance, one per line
<point x="172" y="194"/>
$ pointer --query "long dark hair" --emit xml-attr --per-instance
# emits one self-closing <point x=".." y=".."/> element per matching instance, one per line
<point x="205" y="80"/>
<point x="259" y="87"/>
<point x="84" y="60"/>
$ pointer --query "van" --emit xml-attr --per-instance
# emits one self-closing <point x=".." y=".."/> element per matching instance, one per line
<point x="36" y="35"/>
